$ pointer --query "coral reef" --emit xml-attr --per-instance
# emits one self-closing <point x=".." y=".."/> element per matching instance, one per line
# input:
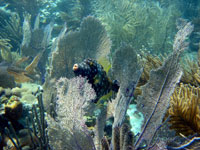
<point x="122" y="139"/>
<point x="126" y="71"/>
<point x="184" y="110"/>
<point x="191" y="73"/>
<point x="6" y="80"/>
<point x="135" y="22"/>
<point x="161" y="84"/>
<point x="36" y="42"/>
<point x="5" y="48"/>
<point x="13" y="108"/>
<point x="96" y="76"/>
<point x="10" y="27"/>
<point x="74" y="96"/>
<point x="17" y="134"/>
<point x="73" y="11"/>
<point x="30" y="6"/>
<point x="91" y="41"/>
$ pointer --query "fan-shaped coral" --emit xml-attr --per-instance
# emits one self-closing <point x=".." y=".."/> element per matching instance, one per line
<point x="91" y="41"/>
<point x="184" y="110"/>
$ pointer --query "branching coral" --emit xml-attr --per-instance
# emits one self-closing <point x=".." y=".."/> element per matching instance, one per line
<point x="149" y="62"/>
<point x="10" y="28"/>
<point x="69" y="126"/>
<point x="191" y="72"/>
<point x="30" y="6"/>
<point x="5" y="47"/>
<point x="73" y="11"/>
<point x="184" y="110"/>
<point x="135" y="22"/>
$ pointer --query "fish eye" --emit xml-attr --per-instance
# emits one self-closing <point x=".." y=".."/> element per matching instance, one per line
<point x="75" y="67"/>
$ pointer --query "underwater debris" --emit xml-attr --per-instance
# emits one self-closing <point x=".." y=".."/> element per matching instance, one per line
<point x="184" y="110"/>
<point x="91" y="41"/>
<point x="96" y="76"/>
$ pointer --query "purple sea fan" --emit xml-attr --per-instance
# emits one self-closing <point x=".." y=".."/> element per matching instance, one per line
<point x="73" y="102"/>
<point x="74" y="96"/>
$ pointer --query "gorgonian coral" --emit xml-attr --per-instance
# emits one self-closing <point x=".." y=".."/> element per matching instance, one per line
<point x="91" y="41"/>
<point x="73" y="99"/>
<point x="184" y="110"/>
<point x="135" y="22"/>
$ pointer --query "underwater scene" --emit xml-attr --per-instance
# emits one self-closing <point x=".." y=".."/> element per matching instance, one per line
<point x="99" y="74"/>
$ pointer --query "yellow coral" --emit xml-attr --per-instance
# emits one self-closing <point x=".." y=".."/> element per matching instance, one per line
<point x="184" y="110"/>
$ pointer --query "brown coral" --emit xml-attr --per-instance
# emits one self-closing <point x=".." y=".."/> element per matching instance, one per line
<point x="184" y="110"/>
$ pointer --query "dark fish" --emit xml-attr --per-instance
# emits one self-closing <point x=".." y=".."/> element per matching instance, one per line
<point x="96" y="76"/>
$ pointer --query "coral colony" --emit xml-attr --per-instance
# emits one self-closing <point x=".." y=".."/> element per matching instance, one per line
<point x="99" y="75"/>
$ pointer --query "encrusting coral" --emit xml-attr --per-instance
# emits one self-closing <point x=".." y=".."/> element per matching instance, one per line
<point x="184" y="110"/>
<point x="13" y="109"/>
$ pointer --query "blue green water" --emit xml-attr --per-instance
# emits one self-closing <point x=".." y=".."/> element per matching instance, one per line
<point x="44" y="42"/>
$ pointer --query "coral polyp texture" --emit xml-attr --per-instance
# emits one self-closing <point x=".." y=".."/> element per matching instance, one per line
<point x="74" y="97"/>
<point x="184" y="110"/>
